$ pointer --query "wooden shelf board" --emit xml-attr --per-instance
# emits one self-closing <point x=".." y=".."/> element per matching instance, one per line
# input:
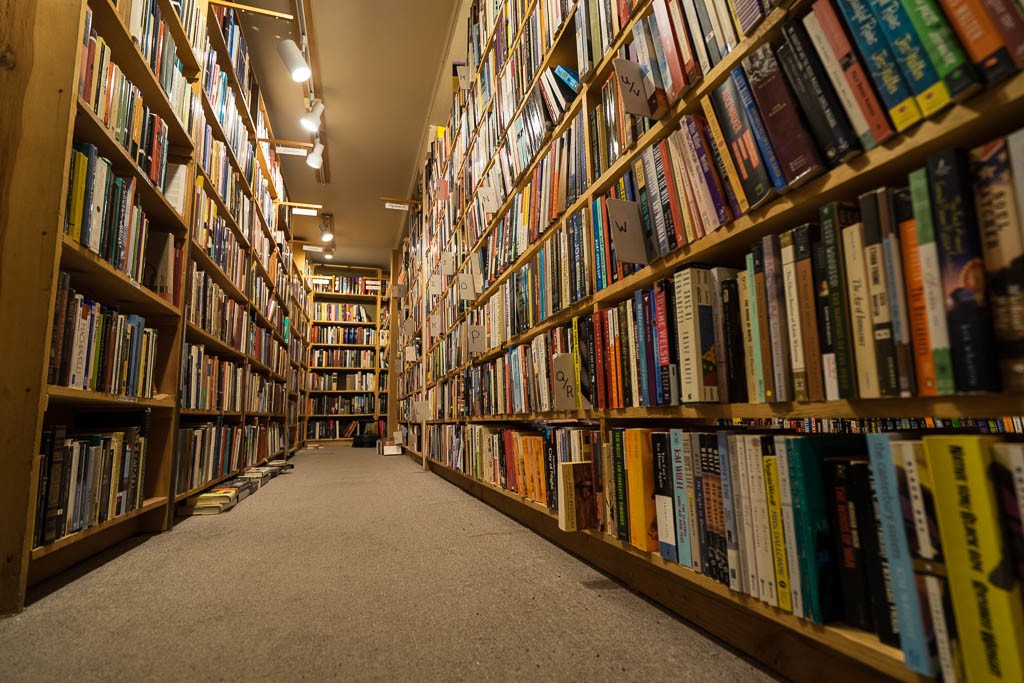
<point x="191" y="67"/>
<point x="214" y="346"/>
<point x="95" y="276"/>
<point x="203" y="260"/>
<point x="67" y="395"/>
<point x="148" y="505"/>
<point x="204" y="412"/>
<point x="342" y="295"/>
<point x="362" y="323"/>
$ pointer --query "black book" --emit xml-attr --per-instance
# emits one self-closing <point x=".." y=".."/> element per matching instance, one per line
<point x="619" y="463"/>
<point x="822" y="110"/>
<point x="45" y="455"/>
<point x="739" y="138"/>
<point x="627" y="353"/>
<point x="883" y="604"/>
<point x="550" y="472"/>
<point x="878" y="290"/>
<point x="841" y="486"/>
<point x="971" y="337"/>
<point x="735" y="361"/>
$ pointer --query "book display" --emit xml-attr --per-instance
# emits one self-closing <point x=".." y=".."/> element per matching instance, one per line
<point x="731" y="290"/>
<point x="172" y="346"/>
<point x="347" y="385"/>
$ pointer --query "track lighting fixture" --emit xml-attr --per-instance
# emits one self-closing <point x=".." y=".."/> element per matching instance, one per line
<point x="316" y="157"/>
<point x="311" y="119"/>
<point x="294" y="60"/>
<point x="329" y="253"/>
<point x="326" y="234"/>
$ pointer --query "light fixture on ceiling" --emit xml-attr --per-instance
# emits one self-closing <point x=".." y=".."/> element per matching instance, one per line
<point x="329" y="253"/>
<point x="311" y="119"/>
<point x="316" y="157"/>
<point x="293" y="58"/>
<point x="326" y="233"/>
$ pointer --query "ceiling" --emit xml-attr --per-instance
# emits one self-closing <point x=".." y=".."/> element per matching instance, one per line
<point x="383" y="70"/>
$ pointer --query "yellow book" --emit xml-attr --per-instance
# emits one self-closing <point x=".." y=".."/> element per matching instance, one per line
<point x="775" y="526"/>
<point x="643" y="524"/>
<point x="723" y="150"/>
<point x="934" y="99"/>
<point x="78" y="196"/>
<point x="987" y="599"/>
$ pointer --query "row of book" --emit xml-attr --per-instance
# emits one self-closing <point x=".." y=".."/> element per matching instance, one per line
<point x="910" y="538"/>
<point x="97" y="348"/>
<point x="266" y="349"/>
<point x="337" y="381"/>
<point x="346" y="284"/>
<point x="342" y="358"/>
<point x="210" y="308"/>
<point x="89" y="477"/>
<point x="192" y="14"/>
<point x="212" y="235"/>
<point x="210" y="382"/>
<point x="264" y="395"/>
<point x="330" y="312"/>
<point x="226" y="495"/>
<point x="363" y="404"/>
<point x="326" y="334"/>
<point x="207" y="451"/>
<point x="331" y="428"/>
<point x="104" y="215"/>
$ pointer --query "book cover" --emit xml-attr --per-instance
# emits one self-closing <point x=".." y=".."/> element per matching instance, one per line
<point x="778" y="330"/>
<point x="741" y="143"/>
<point x="975" y="367"/>
<point x="881" y="314"/>
<point x="664" y="496"/>
<point x="643" y="525"/>
<point x="680" y="499"/>
<point x="794" y="317"/>
<point x="979" y="37"/>
<point x="804" y="237"/>
<point x="986" y="593"/>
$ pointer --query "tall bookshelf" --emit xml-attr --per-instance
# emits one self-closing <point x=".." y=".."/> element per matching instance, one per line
<point x="347" y="387"/>
<point x="464" y="166"/>
<point x="217" y="212"/>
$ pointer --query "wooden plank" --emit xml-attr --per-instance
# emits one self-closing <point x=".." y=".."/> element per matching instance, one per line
<point x="795" y="648"/>
<point x="39" y="52"/>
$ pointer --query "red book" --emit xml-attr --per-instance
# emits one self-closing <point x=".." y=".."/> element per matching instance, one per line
<point x="668" y="42"/>
<point x="599" y="355"/>
<point x="682" y="35"/>
<point x="853" y="70"/>
<point x="673" y="196"/>
<point x="664" y="358"/>
<point x="625" y="9"/>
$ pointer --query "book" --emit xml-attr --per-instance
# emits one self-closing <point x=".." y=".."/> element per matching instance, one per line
<point x="664" y="496"/>
<point x="980" y="39"/>
<point x="643" y="525"/>
<point x="882" y="334"/>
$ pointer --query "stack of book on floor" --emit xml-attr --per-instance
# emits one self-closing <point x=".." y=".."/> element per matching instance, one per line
<point x="225" y="496"/>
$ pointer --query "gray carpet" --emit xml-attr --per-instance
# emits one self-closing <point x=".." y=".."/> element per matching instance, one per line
<point x="353" y="566"/>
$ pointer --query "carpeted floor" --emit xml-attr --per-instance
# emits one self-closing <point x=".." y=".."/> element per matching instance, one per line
<point x="353" y="566"/>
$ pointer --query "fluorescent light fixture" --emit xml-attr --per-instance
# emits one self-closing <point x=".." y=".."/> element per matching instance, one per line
<point x="294" y="60"/>
<point x="311" y="119"/>
<point x="396" y="206"/>
<point x="293" y="151"/>
<point x="312" y="247"/>
<point x="303" y="211"/>
<point x="316" y="157"/>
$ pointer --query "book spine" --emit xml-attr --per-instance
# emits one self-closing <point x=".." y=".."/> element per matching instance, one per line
<point x="981" y="40"/>
<point x="766" y="580"/>
<point x="663" y="497"/>
<point x="917" y="311"/>
<point x="942" y="47"/>
<point x="621" y="507"/>
<point x="789" y="526"/>
<point x="840" y="481"/>
<point x="732" y="117"/>
<point x="777" y="320"/>
<point x="881" y="314"/>
<point x="732" y="333"/>
<point x="729" y="504"/>
<point x="794" y="317"/>
<point x="747" y="329"/>
<point x="967" y="313"/>
<point x="860" y="312"/>
<point x="723" y="150"/>
<point x="835" y="267"/>
<point x="764" y="339"/>
<point x="807" y="296"/>
<point x="771" y="160"/>
<point x="776" y="529"/>
<point x="680" y="499"/>
<point x="707" y="363"/>
<point x="931" y="281"/>
<point x="1008" y="19"/>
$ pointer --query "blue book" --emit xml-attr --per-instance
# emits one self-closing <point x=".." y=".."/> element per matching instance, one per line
<point x="682" y="503"/>
<point x="639" y="336"/>
<point x="598" y="245"/>
<point x="771" y="161"/>
<point x="732" y="544"/>
<point x="913" y="640"/>
<point x="569" y="77"/>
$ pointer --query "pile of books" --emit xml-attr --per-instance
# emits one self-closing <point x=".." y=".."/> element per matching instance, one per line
<point x="229" y="494"/>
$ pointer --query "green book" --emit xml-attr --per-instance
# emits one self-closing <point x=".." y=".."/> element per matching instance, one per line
<point x="755" y="331"/>
<point x="833" y="217"/>
<point x="942" y="47"/>
<point x="621" y="503"/>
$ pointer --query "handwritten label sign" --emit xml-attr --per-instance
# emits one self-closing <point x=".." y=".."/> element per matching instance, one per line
<point x="467" y="287"/>
<point x="436" y="283"/>
<point x="400" y="290"/>
<point x="563" y="377"/>
<point x="421" y="410"/>
<point x="410" y="353"/>
<point x="474" y="270"/>
<point x="462" y="71"/>
<point x="631" y="87"/>
<point x="442" y="189"/>
<point x="448" y="263"/>
<point x="408" y="326"/>
<point x="435" y="324"/>
<point x="627" y="232"/>
<point x="489" y="199"/>
<point x="476" y="338"/>
<point x="399" y="439"/>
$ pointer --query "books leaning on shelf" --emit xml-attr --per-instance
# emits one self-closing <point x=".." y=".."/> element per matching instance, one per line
<point x="206" y="452"/>
<point x="217" y="500"/>
<point x="96" y="348"/>
<point x="912" y="538"/>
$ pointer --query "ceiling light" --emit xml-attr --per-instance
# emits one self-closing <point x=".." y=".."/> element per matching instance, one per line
<point x="325" y="232"/>
<point x="329" y="253"/>
<point x="303" y="211"/>
<point x="294" y="60"/>
<point x="316" y="157"/>
<point x="311" y="119"/>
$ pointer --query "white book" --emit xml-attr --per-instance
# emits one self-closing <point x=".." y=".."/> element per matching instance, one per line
<point x="789" y="525"/>
<point x="762" y="531"/>
<point x="796" y="341"/>
<point x="724" y="29"/>
<point x="691" y="447"/>
<point x="749" y="552"/>
<point x="838" y="80"/>
<point x="690" y="370"/>
<point x="71" y="519"/>
<point x="738" y="557"/>
<point x="691" y="21"/>
<point x="743" y="286"/>
<point x="860" y="312"/>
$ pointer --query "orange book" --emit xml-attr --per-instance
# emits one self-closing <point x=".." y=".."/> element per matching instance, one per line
<point x="643" y="524"/>
<point x="980" y="39"/>
<point x="917" y="310"/>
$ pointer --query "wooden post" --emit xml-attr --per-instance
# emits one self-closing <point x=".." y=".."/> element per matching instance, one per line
<point x="40" y="45"/>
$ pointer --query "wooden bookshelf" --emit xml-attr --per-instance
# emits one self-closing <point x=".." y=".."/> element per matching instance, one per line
<point x="37" y="92"/>
<point x="791" y="646"/>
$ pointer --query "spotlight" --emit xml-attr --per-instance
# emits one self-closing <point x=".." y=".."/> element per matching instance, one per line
<point x="311" y="119"/>
<point x="316" y="157"/>
<point x="294" y="60"/>
<point x="329" y="253"/>
<point x="325" y="230"/>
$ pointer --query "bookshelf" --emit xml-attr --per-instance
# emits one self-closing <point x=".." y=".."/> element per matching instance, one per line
<point x="348" y="351"/>
<point x="211" y="220"/>
<point x="438" y="393"/>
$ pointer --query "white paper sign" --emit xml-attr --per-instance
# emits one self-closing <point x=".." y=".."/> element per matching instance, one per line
<point x="462" y="70"/>
<point x="631" y="87"/>
<point x="489" y="198"/>
<point x="435" y="324"/>
<point x="627" y="232"/>
<point x="436" y="284"/>
<point x="563" y="378"/>
<point x="421" y="410"/>
<point x="408" y="326"/>
<point x="410" y="353"/>
<point x="448" y="263"/>
<point x="399" y="290"/>
<point x="477" y="339"/>
<point x="467" y="287"/>
<point x="398" y="437"/>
